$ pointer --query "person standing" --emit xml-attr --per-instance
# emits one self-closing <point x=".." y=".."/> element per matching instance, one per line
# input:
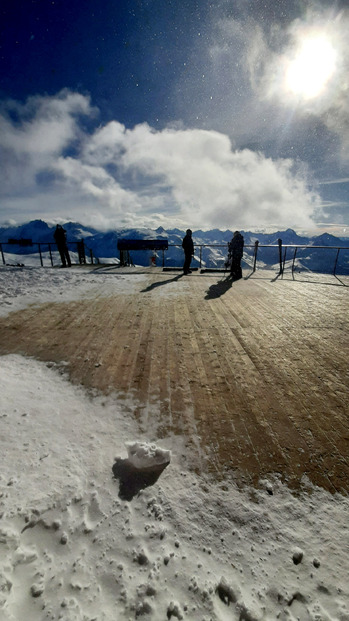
<point x="188" y="247"/>
<point x="236" y="249"/>
<point x="60" y="236"/>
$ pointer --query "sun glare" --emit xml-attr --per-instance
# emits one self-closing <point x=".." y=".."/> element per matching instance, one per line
<point x="312" y="67"/>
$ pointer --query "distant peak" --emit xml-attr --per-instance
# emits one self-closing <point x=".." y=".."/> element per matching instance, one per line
<point x="38" y="224"/>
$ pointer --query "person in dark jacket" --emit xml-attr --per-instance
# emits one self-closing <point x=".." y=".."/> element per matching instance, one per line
<point x="60" y="236"/>
<point x="236" y="249"/>
<point x="188" y="247"/>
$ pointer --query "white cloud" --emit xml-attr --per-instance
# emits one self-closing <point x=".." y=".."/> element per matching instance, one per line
<point x="94" y="182"/>
<point x="210" y="183"/>
<point x="47" y="124"/>
<point x="104" y="146"/>
<point x="140" y="176"/>
<point x="33" y="135"/>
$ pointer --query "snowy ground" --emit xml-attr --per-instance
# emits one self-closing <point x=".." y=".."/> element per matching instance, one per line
<point x="78" y="543"/>
<point x="21" y="286"/>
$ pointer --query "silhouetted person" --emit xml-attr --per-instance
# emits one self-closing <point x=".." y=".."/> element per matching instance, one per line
<point x="236" y="249"/>
<point x="188" y="247"/>
<point x="60" y="236"/>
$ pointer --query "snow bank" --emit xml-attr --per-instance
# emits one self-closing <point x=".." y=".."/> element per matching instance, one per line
<point x="184" y="546"/>
<point x="21" y="286"/>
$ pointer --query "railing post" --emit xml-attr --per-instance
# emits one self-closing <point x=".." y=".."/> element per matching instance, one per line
<point x="280" y="255"/>
<point x="255" y="254"/>
<point x="81" y="252"/>
<point x="2" y="255"/>
<point x="335" y="263"/>
<point x="49" y="249"/>
<point x="91" y="256"/>
<point x="41" y="261"/>
<point x="294" y="258"/>
<point x="200" y="256"/>
<point x="284" y="261"/>
<point x="163" y="257"/>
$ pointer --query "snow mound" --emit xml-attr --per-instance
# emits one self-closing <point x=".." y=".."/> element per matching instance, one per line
<point x="144" y="456"/>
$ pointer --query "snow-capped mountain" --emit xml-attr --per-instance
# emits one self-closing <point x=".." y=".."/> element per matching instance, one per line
<point x="104" y="244"/>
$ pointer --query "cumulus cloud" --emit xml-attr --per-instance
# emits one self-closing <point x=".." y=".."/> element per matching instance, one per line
<point x="211" y="183"/>
<point x="44" y="125"/>
<point x="34" y="134"/>
<point x="119" y="176"/>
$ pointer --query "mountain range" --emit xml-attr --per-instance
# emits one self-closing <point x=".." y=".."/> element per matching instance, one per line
<point x="104" y="245"/>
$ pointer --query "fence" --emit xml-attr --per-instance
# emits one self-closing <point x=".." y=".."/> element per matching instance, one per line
<point x="277" y="254"/>
<point x="82" y="250"/>
<point x="272" y="254"/>
<point x="314" y="255"/>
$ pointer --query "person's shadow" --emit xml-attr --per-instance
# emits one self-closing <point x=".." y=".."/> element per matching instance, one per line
<point x="154" y="285"/>
<point x="219" y="288"/>
<point x="132" y="480"/>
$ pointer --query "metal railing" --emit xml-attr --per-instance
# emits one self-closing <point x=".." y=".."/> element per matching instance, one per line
<point x="201" y="246"/>
<point x="281" y="251"/>
<point x="337" y="250"/>
<point x="81" y="249"/>
<point x="253" y="251"/>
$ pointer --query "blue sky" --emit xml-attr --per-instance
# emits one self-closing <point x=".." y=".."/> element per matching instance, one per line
<point x="231" y="114"/>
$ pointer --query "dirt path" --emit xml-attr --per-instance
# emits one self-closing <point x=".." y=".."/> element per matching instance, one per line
<point x="255" y="375"/>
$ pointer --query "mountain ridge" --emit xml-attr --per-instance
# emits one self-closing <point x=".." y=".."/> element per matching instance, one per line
<point x="39" y="231"/>
<point x="104" y="243"/>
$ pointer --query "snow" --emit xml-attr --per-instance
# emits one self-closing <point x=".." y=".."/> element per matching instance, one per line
<point x="21" y="286"/>
<point x="183" y="546"/>
<point x="143" y="455"/>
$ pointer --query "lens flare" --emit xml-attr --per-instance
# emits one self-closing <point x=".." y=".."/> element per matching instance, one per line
<point x="314" y="64"/>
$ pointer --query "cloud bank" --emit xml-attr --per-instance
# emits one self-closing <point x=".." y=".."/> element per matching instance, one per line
<point x="56" y="164"/>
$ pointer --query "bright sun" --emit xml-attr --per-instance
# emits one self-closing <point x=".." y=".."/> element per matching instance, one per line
<point x="308" y="73"/>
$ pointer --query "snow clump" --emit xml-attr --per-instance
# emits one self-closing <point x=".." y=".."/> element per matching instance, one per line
<point x="142" y="455"/>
